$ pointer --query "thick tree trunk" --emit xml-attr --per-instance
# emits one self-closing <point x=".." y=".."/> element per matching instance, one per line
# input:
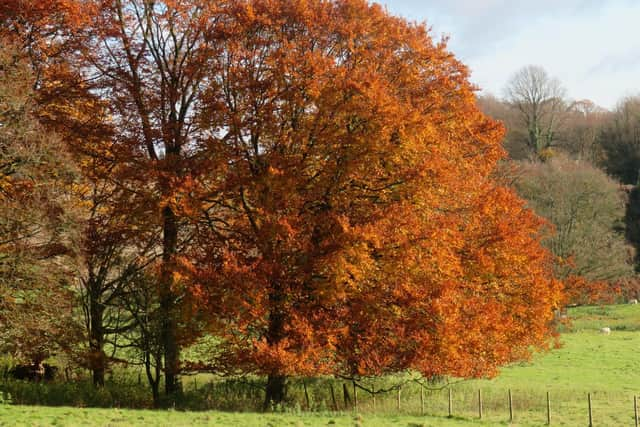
<point x="98" y="377"/>
<point x="155" y="392"/>
<point x="276" y="382"/>
<point x="276" y="391"/>
<point x="168" y="306"/>
<point x="96" y="335"/>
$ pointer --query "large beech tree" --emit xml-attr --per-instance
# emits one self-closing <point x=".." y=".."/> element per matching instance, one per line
<point x="357" y="228"/>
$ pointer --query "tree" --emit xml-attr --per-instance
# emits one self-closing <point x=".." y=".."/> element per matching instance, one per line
<point x="147" y="63"/>
<point x="116" y="242"/>
<point x="620" y="140"/>
<point x="143" y="62"/>
<point x="37" y="232"/>
<point x="539" y="101"/>
<point x="500" y="109"/>
<point x="587" y="209"/>
<point x="578" y="135"/>
<point x="140" y="299"/>
<point x="113" y="247"/>
<point x="41" y="31"/>
<point x="583" y="123"/>
<point x="357" y="229"/>
<point x="115" y="250"/>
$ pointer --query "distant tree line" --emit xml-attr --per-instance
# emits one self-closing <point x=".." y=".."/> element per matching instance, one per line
<point x="577" y="165"/>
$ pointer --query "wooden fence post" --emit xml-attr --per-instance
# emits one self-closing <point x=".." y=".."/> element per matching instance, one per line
<point x="398" y="404"/>
<point x="635" y="409"/>
<point x="480" y="403"/>
<point x="548" y="409"/>
<point x="333" y="398"/>
<point x="590" y="414"/>
<point x="345" y="395"/>
<point x="510" y="407"/>
<point x="355" y="397"/>
<point x="450" y="403"/>
<point x="421" y="399"/>
<point x="373" y="395"/>
<point x="306" y="395"/>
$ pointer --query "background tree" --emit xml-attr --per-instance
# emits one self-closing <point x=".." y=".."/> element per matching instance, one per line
<point x="500" y="109"/>
<point x="587" y="209"/>
<point x="147" y="62"/>
<point x="620" y="140"/>
<point x="116" y="244"/>
<point x="108" y="256"/>
<point x="580" y="138"/>
<point x="143" y="63"/>
<point x="539" y="103"/>
<point x="37" y="235"/>
<point x="42" y="31"/>
<point x="140" y="299"/>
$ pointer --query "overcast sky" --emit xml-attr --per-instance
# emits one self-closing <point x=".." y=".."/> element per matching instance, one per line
<point x="592" y="46"/>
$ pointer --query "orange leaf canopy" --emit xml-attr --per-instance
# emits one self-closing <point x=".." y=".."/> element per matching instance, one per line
<point x="357" y="227"/>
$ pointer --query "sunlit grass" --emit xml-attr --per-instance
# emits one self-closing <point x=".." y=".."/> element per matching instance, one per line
<point x="588" y="362"/>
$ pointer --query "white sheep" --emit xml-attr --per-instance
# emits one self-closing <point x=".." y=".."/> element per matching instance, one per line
<point x="605" y="331"/>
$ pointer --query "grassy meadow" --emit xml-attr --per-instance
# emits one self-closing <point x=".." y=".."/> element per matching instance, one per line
<point x="588" y="362"/>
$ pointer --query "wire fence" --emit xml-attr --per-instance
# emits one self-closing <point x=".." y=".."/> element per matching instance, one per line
<point x="519" y="406"/>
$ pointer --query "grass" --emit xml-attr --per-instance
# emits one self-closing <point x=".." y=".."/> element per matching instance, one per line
<point x="61" y="416"/>
<point x="588" y="362"/>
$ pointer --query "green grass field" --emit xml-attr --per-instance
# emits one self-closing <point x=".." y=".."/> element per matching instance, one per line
<point x="588" y="362"/>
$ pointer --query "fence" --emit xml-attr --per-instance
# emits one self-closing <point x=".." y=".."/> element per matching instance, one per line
<point x="520" y="406"/>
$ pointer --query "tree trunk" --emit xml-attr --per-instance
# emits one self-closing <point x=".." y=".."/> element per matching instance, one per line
<point x="346" y="396"/>
<point x="168" y="305"/>
<point x="154" y="380"/>
<point x="96" y="335"/>
<point x="276" y="391"/>
<point x="276" y="382"/>
<point x="155" y="392"/>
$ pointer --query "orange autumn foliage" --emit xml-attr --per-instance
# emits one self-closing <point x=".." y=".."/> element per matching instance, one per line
<point x="357" y="228"/>
<point x="581" y="291"/>
<point x="44" y="30"/>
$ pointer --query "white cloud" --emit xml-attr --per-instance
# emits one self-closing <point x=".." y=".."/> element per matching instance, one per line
<point x="591" y="46"/>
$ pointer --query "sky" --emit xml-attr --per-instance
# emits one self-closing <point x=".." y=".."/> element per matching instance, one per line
<point x="591" y="46"/>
